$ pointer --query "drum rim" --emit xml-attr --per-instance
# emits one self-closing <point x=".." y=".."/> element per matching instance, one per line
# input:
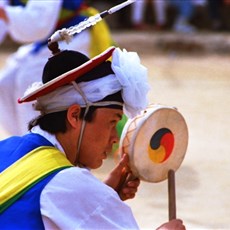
<point x="130" y="149"/>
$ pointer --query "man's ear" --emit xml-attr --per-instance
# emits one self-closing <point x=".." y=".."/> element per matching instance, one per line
<point x="73" y="114"/>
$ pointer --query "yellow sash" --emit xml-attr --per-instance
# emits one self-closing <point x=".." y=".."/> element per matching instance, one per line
<point x="28" y="170"/>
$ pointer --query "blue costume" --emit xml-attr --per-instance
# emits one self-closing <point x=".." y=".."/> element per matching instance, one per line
<point x="22" y="211"/>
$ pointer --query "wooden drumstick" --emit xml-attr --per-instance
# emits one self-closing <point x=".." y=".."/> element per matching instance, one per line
<point x="171" y="194"/>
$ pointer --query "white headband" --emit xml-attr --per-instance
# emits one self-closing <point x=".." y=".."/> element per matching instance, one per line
<point x="130" y="77"/>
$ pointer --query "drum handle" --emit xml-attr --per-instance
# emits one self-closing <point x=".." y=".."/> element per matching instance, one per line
<point x="171" y="194"/>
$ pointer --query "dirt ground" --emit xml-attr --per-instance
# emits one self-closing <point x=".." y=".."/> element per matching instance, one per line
<point x="199" y="86"/>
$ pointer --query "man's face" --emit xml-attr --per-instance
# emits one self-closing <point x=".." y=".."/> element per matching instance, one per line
<point x="99" y="136"/>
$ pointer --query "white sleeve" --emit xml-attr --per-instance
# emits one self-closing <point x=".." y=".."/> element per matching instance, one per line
<point x="75" y="199"/>
<point x="3" y="31"/>
<point x="33" y="22"/>
<point x="3" y="25"/>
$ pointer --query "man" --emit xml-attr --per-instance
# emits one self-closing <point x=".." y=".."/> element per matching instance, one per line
<point x="80" y="101"/>
<point x="31" y="23"/>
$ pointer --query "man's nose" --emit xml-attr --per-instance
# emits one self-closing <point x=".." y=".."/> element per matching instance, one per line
<point x="114" y="136"/>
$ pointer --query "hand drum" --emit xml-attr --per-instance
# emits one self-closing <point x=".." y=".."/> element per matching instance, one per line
<point x="156" y="142"/>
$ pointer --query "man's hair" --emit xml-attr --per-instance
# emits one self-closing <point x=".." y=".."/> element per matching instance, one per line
<point x="56" y="122"/>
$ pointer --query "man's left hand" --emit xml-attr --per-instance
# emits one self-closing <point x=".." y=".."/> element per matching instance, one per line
<point x="122" y="180"/>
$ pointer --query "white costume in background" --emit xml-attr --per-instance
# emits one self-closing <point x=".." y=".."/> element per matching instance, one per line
<point x="64" y="207"/>
<point x="28" y="24"/>
<point x="138" y="10"/>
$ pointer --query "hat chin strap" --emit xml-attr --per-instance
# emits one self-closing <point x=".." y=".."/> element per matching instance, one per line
<point x="88" y="104"/>
<point x="75" y="85"/>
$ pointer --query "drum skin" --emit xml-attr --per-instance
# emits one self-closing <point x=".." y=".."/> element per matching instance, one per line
<point x="156" y="141"/>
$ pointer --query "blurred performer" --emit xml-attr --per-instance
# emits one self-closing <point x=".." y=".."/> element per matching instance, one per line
<point x="31" y="23"/>
<point x="185" y="11"/>
<point x="138" y="14"/>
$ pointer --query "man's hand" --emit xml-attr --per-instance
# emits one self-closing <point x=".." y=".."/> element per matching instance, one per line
<point x="122" y="180"/>
<point x="175" y="224"/>
<point x="3" y="15"/>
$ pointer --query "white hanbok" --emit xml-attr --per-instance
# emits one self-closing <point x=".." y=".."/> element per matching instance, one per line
<point x="76" y="199"/>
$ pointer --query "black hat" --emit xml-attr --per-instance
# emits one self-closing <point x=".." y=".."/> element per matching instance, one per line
<point x="62" y="63"/>
<point x="68" y="66"/>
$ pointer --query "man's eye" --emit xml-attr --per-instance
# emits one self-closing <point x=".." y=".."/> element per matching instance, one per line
<point x="113" y="122"/>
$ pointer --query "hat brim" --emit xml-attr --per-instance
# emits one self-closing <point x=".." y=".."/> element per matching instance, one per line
<point x="68" y="76"/>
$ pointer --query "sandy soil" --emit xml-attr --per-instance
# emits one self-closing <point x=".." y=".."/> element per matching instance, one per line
<point x="199" y="87"/>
